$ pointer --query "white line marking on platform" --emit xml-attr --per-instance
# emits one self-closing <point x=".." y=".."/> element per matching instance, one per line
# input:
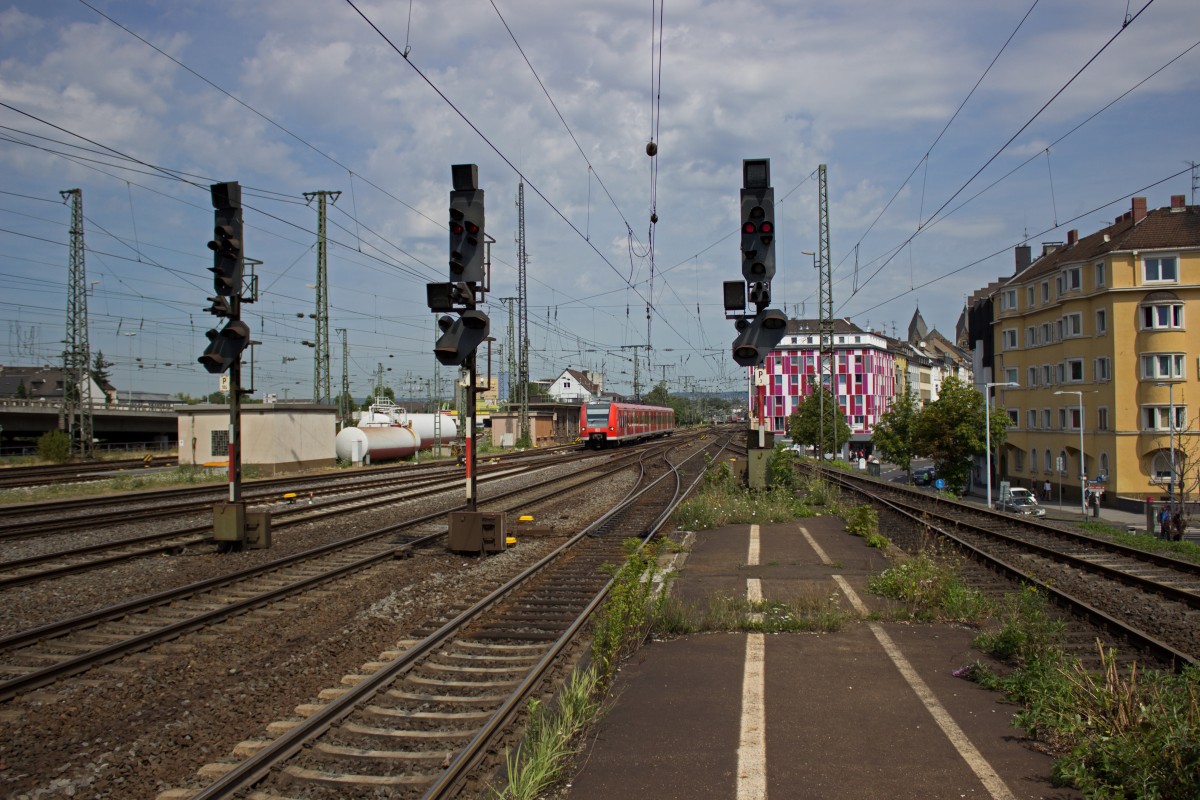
<point x="752" y="743"/>
<point x="752" y="555"/>
<point x="754" y="590"/>
<point x="816" y="547"/>
<point x="975" y="760"/>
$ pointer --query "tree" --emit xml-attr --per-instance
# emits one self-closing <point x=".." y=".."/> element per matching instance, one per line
<point x="893" y="435"/>
<point x="658" y="396"/>
<point x="951" y="431"/>
<point x="804" y="424"/>
<point x="100" y="366"/>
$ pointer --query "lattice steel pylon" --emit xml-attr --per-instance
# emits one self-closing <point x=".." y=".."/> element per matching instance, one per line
<point x="77" y="383"/>
<point x="344" y="397"/>
<point x="321" y="356"/>
<point x="825" y="324"/>
<point x="523" y="320"/>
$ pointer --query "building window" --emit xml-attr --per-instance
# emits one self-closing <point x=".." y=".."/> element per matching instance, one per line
<point x="1045" y="292"/>
<point x="1075" y="370"/>
<point x="220" y="442"/>
<point x="1102" y="418"/>
<point x="1031" y="419"/>
<point x="1103" y="466"/>
<point x="1074" y="418"/>
<point x="1101" y="278"/>
<point x="1014" y="417"/>
<point x="1029" y="295"/>
<point x="1048" y="462"/>
<point x="1160" y="469"/>
<point x="1047" y="375"/>
<point x="1062" y="460"/>
<point x="1102" y="369"/>
<point x="1062" y="373"/>
<point x="1046" y="420"/>
<point x="1020" y="457"/>
<point x="1008" y="300"/>
<point x="1162" y="316"/>
<point x="1062" y="419"/>
<point x="1031" y="336"/>
<point x="1033" y="464"/>
<point x="1032" y="374"/>
<point x="1158" y="418"/>
<point x="1101" y="322"/>
<point x="1162" y="269"/>
<point x="1163" y="366"/>
<point x="1009" y="338"/>
<point x="1073" y="279"/>
<point x="1012" y="374"/>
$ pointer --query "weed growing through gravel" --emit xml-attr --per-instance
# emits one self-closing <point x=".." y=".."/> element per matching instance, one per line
<point x="800" y="614"/>
<point x="538" y="762"/>
<point x="625" y="619"/>
<point x="1118" y="732"/>
<point x="931" y="590"/>
<point x="721" y="500"/>
<point x="180" y="476"/>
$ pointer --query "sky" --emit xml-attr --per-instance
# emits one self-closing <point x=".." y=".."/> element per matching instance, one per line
<point x="951" y="133"/>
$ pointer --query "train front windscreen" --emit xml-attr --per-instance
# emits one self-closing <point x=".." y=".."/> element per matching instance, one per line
<point x="597" y="415"/>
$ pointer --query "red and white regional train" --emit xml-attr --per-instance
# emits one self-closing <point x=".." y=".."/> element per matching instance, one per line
<point x="604" y="424"/>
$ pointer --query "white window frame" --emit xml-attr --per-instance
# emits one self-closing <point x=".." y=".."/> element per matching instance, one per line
<point x="1102" y="418"/>
<point x="1072" y="325"/>
<point x="1062" y="418"/>
<point x="1159" y="262"/>
<point x="1032" y="374"/>
<point x="1071" y="365"/>
<point x="1073" y="279"/>
<point x="1045" y="292"/>
<point x="1008" y="339"/>
<point x="1101" y="321"/>
<point x="1030" y="296"/>
<point x="1031" y="336"/>
<point x="1152" y="366"/>
<point x="1101" y="274"/>
<point x="1174" y="313"/>
<point x="1102" y="369"/>
<point x="1031" y="419"/>
<point x="1033" y="460"/>
<point x="1012" y="374"/>
<point x="1073" y="418"/>
<point x="1014" y="417"/>
<point x="1046" y="420"/>
<point x="1158" y="417"/>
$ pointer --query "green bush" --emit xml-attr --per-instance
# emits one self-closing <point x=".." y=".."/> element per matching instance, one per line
<point x="54" y="446"/>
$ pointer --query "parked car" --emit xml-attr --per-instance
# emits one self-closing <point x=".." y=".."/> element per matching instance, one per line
<point x="1021" y="501"/>
<point x="925" y="477"/>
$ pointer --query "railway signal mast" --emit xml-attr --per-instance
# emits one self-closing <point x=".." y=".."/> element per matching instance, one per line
<point x="471" y="531"/>
<point x="233" y="528"/>
<point x="759" y="333"/>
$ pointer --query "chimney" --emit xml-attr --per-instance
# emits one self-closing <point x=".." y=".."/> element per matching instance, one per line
<point x="1050" y="247"/>
<point x="1072" y="237"/>
<point x="1178" y="202"/>
<point x="1139" y="209"/>
<point x="1024" y="258"/>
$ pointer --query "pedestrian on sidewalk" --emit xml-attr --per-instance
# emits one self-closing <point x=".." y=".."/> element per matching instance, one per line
<point x="1094" y="501"/>
<point x="1164" y="523"/>
<point x="1046" y="490"/>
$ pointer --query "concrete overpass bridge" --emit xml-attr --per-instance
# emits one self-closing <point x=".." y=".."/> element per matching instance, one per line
<point x="152" y="424"/>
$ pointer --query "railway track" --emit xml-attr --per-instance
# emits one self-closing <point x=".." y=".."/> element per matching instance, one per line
<point x="423" y="723"/>
<point x="1150" y="600"/>
<point x="47" y="474"/>
<point x="43" y="655"/>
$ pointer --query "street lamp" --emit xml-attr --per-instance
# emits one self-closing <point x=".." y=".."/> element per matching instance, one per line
<point x="1171" y="428"/>
<point x="1082" y="461"/>
<point x="987" y="424"/>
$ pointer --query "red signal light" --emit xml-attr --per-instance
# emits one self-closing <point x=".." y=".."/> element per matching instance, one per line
<point x="456" y="228"/>
<point x="472" y="228"/>
<point x="748" y="228"/>
<point x="766" y="227"/>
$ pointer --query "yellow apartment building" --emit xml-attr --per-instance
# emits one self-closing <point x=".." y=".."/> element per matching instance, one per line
<point x="1102" y="336"/>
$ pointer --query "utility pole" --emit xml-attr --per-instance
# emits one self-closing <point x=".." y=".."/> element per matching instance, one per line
<point x="637" y="379"/>
<point x="344" y="399"/>
<point x="523" y="320"/>
<point x="77" y="379"/>
<point x="825" y="325"/>
<point x="321" y="358"/>
<point x="510" y="353"/>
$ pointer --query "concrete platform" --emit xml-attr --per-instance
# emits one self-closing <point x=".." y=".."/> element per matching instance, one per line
<point x="872" y="711"/>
